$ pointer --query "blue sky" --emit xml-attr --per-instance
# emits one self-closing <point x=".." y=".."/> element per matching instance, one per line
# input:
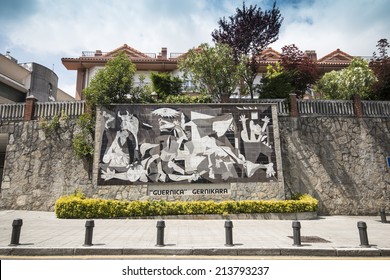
<point x="44" y="31"/>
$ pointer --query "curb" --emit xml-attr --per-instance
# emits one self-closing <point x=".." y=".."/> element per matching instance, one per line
<point x="309" y="252"/>
<point x="256" y="216"/>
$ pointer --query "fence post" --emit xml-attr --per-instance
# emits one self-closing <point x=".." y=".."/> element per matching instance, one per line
<point x="357" y="106"/>
<point x="293" y="106"/>
<point x="29" y="109"/>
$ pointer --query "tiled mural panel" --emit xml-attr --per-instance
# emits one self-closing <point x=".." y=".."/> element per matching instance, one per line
<point x="187" y="143"/>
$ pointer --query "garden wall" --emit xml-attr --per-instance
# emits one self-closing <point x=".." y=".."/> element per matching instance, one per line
<point x="341" y="161"/>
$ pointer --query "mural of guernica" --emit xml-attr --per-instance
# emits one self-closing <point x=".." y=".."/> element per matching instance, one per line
<point x="187" y="143"/>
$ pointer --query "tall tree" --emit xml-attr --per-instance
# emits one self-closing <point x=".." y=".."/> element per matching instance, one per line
<point x="248" y="33"/>
<point x="212" y="69"/>
<point x="303" y="70"/>
<point x="381" y="65"/>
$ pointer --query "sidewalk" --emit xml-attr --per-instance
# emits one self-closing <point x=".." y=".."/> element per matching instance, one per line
<point x="42" y="234"/>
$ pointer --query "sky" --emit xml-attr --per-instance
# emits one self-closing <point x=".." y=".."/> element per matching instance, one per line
<point x="44" y="31"/>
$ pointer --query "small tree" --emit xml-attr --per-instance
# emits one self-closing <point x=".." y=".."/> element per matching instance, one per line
<point x="112" y="84"/>
<point x="142" y="92"/>
<point x="212" y="70"/>
<point x="381" y="67"/>
<point x="277" y="83"/>
<point x="303" y="70"/>
<point x="357" y="78"/>
<point x="165" y="84"/>
<point x="248" y="33"/>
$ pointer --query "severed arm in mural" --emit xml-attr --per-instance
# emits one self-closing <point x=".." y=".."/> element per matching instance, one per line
<point x="134" y="173"/>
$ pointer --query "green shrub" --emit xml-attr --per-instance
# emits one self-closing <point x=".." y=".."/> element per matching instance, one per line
<point x="77" y="206"/>
<point x="186" y="99"/>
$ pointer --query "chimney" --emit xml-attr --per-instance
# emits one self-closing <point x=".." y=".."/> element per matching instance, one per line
<point x="8" y="55"/>
<point x="98" y="53"/>
<point x="311" y="54"/>
<point x="164" y="53"/>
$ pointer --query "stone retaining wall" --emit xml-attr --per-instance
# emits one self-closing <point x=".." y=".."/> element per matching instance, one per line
<point x="39" y="168"/>
<point x="340" y="161"/>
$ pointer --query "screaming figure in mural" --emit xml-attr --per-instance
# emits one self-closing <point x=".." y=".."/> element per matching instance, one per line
<point x="179" y="144"/>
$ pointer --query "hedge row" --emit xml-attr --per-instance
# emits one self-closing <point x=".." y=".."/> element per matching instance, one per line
<point x="77" y="206"/>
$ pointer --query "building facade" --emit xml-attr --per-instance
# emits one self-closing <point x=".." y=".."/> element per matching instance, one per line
<point x="89" y="62"/>
<point x="20" y="80"/>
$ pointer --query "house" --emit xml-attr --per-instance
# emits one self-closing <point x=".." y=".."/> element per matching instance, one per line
<point x="20" y="80"/>
<point x="89" y="62"/>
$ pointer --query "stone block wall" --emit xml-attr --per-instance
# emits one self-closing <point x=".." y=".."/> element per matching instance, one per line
<point x="39" y="168"/>
<point x="340" y="161"/>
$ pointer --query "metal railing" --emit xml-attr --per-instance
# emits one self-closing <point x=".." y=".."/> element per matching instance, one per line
<point x="175" y="55"/>
<point x="94" y="53"/>
<point x="49" y="109"/>
<point x="12" y="112"/>
<point x="376" y="108"/>
<point x="325" y="107"/>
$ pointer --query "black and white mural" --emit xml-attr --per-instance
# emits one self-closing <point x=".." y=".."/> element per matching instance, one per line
<point x="187" y="143"/>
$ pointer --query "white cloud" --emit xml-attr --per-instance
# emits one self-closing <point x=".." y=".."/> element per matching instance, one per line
<point x="55" y="29"/>
<point x="68" y="27"/>
<point x="352" y="26"/>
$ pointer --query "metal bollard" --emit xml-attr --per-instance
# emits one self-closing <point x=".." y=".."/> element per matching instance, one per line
<point x="229" y="233"/>
<point x="296" y="225"/>
<point x="160" y="233"/>
<point x="16" y="228"/>
<point x="363" y="234"/>
<point x="89" y="225"/>
<point x="383" y="215"/>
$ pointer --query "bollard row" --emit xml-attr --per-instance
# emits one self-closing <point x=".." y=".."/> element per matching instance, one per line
<point x="296" y="225"/>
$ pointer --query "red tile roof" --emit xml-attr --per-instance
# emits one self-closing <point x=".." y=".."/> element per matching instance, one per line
<point x="337" y="56"/>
